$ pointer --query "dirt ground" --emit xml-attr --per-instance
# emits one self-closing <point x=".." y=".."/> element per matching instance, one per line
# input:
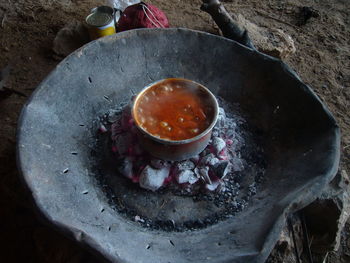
<point x="27" y="29"/>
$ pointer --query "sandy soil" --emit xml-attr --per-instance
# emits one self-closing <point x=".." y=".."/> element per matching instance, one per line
<point x="27" y="29"/>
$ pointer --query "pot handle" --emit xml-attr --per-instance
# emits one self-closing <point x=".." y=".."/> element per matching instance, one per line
<point x="225" y="22"/>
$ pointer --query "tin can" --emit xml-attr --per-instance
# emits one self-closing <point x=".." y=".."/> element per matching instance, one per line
<point x="101" y="22"/>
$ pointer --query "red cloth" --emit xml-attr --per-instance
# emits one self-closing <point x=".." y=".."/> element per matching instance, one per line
<point x="134" y="17"/>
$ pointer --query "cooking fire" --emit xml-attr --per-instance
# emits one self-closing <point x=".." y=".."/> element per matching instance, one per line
<point x="208" y="169"/>
<point x="225" y="172"/>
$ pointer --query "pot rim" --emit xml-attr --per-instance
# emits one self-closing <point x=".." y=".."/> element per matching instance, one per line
<point x="171" y="142"/>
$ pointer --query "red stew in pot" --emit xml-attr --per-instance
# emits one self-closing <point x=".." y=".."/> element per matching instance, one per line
<point x="174" y="109"/>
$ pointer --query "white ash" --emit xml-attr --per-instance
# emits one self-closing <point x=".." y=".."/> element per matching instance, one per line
<point x="218" y="144"/>
<point x="221" y="118"/>
<point x="209" y="160"/>
<point x="185" y="165"/>
<point x="152" y="179"/>
<point x="126" y="167"/>
<point x="103" y="128"/>
<point x="139" y="219"/>
<point x="213" y="186"/>
<point x="186" y="176"/>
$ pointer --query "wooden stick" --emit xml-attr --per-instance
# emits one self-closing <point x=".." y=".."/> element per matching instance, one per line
<point x="225" y="22"/>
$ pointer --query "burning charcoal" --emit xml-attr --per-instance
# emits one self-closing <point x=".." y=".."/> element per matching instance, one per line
<point x="197" y="172"/>
<point x="221" y="169"/>
<point x="125" y="167"/>
<point x="215" y="132"/>
<point x="231" y="128"/>
<point x="204" y="173"/>
<point x="205" y="152"/>
<point x="186" y="176"/>
<point x="114" y="149"/>
<point x="158" y="163"/>
<point x="195" y="159"/>
<point x="112" y="116"/>
<point x="193" y="179"/>
<point x="221" y="118"/>
<point x="223" y="155"/>
<point x="222" y="112"/>
<point x="138" y="150"/>
<point x="185" y="165"/>
<point x="218" y="144"/>
<point x="123" y="143"/>
<point x="209" y="159"/>
<point x="115" y="130"/>
<point x="152" y="179"/>
<point x="126" y="119"/>
<point x="237" y="164"/>
<point x="102" y="128"/>
<point x="212" y="186"/>
<point x="229" y="142"/>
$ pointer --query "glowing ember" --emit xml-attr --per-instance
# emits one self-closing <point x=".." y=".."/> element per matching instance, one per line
<point x="204" y="172"/>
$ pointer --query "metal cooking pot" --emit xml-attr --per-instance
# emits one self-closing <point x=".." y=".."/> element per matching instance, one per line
<point x="181" y="149"/>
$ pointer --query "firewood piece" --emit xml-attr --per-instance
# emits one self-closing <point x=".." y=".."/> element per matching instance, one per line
<point x="225" y="22"/>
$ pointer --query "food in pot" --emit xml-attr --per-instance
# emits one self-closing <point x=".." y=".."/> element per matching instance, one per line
<point x="174" y="109"/>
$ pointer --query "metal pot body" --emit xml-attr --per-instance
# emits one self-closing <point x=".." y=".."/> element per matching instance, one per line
<point x="176" y="150"/>
<point x="173" y="152"/>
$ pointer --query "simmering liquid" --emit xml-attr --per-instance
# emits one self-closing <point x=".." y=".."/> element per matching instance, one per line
<point x="174" y="110"/>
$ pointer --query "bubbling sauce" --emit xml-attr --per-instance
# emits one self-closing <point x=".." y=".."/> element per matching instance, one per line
<point x="174" y="109"/>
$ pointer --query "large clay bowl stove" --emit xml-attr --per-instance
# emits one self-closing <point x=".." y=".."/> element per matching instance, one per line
<point x="282" y="145"/>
